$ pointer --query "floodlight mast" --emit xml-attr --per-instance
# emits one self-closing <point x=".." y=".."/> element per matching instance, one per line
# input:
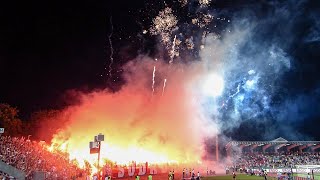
<point x="99" y="145"/>
<point x="97" y="139"/>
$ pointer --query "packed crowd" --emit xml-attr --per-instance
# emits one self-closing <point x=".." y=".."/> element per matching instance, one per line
<point x="30" y="156"/>
<point x="276" y="160"/>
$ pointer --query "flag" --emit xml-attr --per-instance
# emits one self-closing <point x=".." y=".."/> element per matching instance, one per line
<point x="94" y="150"/>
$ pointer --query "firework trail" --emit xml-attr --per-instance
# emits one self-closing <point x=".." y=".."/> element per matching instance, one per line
<point x="164" y="86"/>
<point x="237" y="92"/>
<point x="153" y="77"/>
<point x="173" y="49"/>
<point x="232" y="95"/>
<point x="111" y="48"/>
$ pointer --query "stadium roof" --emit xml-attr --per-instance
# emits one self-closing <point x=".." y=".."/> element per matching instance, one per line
<point x="278" y="141"/>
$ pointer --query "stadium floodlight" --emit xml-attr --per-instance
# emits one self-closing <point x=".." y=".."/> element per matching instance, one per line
<point x="95" y="147"/>
<point x="100" y="137"/>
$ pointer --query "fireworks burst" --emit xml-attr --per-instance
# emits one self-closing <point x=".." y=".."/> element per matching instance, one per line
<point x="165" y="22"/>
<point x="202" y="20"/>
<point x="204" y="3"/>
<point x="183" y="2"/>
<point x="164" y="25"/>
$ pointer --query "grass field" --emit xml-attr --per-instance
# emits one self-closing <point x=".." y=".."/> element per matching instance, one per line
<point x="245" y="177"/>
<point x="316" y="176"/>
<point x="222" y="177"/>
<point x="239" y="177"/>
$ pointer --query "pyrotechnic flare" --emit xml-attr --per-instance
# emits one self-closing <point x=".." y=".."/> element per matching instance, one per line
<point x="164" y="86"/>
<point x="172" y="54"/>
<point x="153" y="79"/>
<point x="111" y="48"/>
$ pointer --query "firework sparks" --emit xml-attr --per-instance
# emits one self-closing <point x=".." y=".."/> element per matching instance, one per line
<point x="164" y="22"/>
<point x="204" y="3"/>
<point x="111" y="48"/>
<point x="144" y="31"/>
<point x="189" y="43"/>
<point x="183" y="2"/>
<point x="202" y="20"/>
<point x="153" y="79"/>
<point x="164" y="86"/>
<point x="232" y="95"/>
<point x="172" y="52"/>
<point x="163" y="25"/>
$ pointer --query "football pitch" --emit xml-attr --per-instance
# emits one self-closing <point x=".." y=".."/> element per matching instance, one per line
<point x="316" y="176"/>
<point x="218" y="177"/>
<point x="245" y="177"/>
<point x="239" y="177"/>
<point x="224" y="177"/>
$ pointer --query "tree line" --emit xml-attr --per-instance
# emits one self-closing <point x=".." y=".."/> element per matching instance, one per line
<point x="41" y="125"/>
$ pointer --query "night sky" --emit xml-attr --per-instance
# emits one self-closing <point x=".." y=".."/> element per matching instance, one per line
<point x="50" y="48"/>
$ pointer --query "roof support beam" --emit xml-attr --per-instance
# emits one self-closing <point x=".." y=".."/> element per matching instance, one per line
<point x="301" y="148"/>
<point x="292" y="146"/>
<point x="264" y="148"/>
<point x="276" y="148"/>
<point x="253" y="147"/>
<point x="315" y="147"/>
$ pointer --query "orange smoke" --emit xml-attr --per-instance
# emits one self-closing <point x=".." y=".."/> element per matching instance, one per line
<point x="138" y="126"/>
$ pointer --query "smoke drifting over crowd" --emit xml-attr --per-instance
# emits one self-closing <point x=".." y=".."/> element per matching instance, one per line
<point x="169" y="108"/>
<point x="134" y="121"/>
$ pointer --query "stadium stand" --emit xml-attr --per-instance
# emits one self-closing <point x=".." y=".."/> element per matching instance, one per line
<point x="301" y="158"/>
<point x="30" y="157"/>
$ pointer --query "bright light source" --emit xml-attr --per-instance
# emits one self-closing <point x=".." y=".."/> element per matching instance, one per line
<point x="213" y="85"/>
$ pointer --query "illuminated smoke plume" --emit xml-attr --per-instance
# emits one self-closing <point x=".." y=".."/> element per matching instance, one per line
<point x="244" y="65"/>
<point x="169" y="128"/>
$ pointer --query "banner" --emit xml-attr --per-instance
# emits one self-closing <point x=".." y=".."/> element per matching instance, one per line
<point x="133" y="170"/>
